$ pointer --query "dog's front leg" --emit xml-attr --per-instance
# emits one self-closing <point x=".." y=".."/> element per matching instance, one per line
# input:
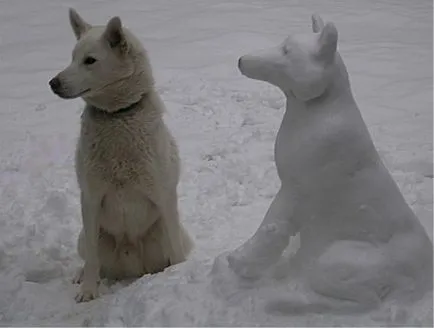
<point x="90" y="208"/>
<point x="171" y="225"/>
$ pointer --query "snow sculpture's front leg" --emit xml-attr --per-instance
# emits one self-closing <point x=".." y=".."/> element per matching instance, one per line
<point x="266" y="246"/>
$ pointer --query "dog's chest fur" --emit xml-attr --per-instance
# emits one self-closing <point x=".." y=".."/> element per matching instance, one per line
<point x="118" y="149"/>
<point x="123" y="159"/>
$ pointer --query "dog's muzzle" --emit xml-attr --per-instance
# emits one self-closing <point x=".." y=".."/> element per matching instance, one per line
<point x="55" y="84"/>
<point x="239" y="63"/>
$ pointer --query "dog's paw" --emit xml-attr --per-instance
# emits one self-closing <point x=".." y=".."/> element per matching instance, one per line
<point x="87" y="294"/>
<point x="78" y="278"/>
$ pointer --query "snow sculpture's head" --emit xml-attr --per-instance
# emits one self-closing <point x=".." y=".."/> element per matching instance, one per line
<point x="302" y="65"/>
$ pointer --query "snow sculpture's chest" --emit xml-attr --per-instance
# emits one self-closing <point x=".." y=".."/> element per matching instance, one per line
<point x="307" y="144"/>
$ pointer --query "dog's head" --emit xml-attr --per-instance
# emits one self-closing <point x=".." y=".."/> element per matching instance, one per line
<point x="106" y="60"/>
<point x="301" y="65"/>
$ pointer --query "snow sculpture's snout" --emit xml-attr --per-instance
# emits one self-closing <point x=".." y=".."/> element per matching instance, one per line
<point x="261" y="65"/>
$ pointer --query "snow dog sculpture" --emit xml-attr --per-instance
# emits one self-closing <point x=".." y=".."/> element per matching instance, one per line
<point x="360" y="243"/>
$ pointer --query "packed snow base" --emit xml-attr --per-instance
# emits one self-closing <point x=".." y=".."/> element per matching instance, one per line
<point x="226" y="126"/>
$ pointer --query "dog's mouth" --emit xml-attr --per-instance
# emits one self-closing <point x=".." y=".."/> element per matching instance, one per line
<point x="63" y="95"/>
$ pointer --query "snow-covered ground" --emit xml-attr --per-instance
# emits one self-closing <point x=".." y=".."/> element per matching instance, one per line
<point x="225" y="125"/>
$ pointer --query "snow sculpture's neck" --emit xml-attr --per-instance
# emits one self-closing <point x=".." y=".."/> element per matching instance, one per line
<point x="337" y="92"/>
<point x="310" y="127"/>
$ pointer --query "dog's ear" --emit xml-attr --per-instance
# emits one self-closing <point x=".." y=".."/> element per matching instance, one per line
<point x="79" y="26"/>
<point x="115" y="35"/>
<point x="317" y="23"/>
<point x="327" y="43"/>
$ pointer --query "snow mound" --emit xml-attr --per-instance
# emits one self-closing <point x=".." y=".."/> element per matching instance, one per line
<point x="225" y="125"/>
<point x="203" y="293"/>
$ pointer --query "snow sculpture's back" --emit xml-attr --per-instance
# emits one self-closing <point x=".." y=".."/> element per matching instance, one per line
<point x="360" y="243"/>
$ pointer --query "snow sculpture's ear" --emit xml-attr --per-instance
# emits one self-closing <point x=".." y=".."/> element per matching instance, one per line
<point x="115" y="35"/>
<point x="317" y="23"/>
<point x="79" y="26"/>
<point x="327" y="43"/>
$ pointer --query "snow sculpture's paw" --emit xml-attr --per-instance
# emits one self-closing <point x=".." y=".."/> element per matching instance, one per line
<point x="241" y="266"/>
<point x="78" y="278"/>
<point x="87" y="293"/>
<point x="220" y="265"/>
<point x="224" y="280"/>
<point x="235" y="263"/>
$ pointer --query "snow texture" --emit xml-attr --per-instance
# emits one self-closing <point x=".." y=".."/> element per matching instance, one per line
<point x="225" y="125"/>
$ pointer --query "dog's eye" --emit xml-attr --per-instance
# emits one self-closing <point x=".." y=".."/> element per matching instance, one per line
<point x="285" y="50"/>
<point x="89" y="60"/>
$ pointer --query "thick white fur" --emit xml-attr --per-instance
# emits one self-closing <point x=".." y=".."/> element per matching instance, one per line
<point x="127" y="163"/>
<point x="360" y="243"/>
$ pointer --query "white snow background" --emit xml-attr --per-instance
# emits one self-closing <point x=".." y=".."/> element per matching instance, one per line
<point x="225" y="125"/>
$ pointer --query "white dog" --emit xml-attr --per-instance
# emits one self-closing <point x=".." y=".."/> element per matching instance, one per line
<point x="127" y="161"/>
<point x="360" y="243"/>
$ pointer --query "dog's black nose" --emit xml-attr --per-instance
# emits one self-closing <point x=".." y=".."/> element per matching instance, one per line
<point x="54" y="84"/>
